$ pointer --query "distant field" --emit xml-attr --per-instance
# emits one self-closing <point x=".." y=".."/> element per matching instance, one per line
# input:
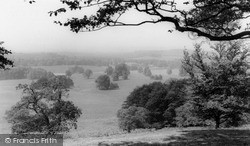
<point x="99" y="107"/>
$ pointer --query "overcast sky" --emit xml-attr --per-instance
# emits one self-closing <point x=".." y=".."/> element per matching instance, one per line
<point x="28" y="28"/>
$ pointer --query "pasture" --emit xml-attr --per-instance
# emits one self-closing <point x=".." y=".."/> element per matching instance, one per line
<point x="99" y="107"/>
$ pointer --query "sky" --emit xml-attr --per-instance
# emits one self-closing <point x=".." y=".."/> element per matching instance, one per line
<point x="28" y="28"/>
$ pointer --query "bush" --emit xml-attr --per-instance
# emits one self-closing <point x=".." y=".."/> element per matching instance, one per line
<point x="186" y="117"/>
<point x="132" y="118"/>
<point x="113" y="86"/>
<point x="160" y="100"/>
<point x="156" y="77"/>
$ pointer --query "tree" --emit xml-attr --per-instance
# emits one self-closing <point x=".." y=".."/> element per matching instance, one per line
<point x="37" y="73"/>
<point x="156" y="77"/>
<point x="147" y="71"/>
<point x="43" y="108"/>
<point x="216" y="20"/>
<point x="68" y="73"/>
<point x="109" y="70"/>
<point x="122" y="70"/>
<point x="103" y="82"/>
<point x="160" y="100"/>
<point x="3" y="60"/>
<point x="115" y="76"/>
<point x="220" y="82"/>
<point x="87" y="73"/>
<point x="182" y="72"/>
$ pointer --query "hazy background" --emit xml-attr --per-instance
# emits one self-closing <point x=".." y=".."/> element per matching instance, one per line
<point x="28" y="28"/>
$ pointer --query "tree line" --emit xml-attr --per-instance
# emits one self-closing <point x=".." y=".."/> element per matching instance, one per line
<point x="24" y="73"/>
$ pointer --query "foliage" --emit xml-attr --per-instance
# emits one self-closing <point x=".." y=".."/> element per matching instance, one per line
<point x="160" y="99"/>
<point x="133" y="67"/>
<point x="121" y="70"/>
<point x="147" y="71"/>
<point x="68" y="73"/>
<point x="140" y="69"/>
<point x="115" y="76"/>
<point x="156" y="77"/>
<point x="182" y="72"/>
<point x="37" y="73"/>
<point x="220" y="82"/>
<point x="43" y="108"/>
<point x="103" y="82"/>
<point x="87" y="73"/>
<point x="109" y="70"/>
<point x="132" y="118"/>
<point x="14" y="73"/>
<point x="113" y="86"/>
<point x="4" y="62"/>
<point x="216" y="20"/>
<point x="186" y="116"/>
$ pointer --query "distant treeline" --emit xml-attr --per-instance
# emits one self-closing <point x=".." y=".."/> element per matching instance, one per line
<point x="24" y="73"/>
<point x="51" y="59"/>
<point x="158" y="63"/>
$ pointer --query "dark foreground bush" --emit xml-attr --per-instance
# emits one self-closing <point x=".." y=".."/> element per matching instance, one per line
<point x="159" y="100"/>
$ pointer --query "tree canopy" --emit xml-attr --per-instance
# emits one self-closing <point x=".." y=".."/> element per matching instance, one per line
<point x="216" y="20"/>
<point x="3" y="60"/>
<point x="220" y="82"/>
<point x="44" y="107"/>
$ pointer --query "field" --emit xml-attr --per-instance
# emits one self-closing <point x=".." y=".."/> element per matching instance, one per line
<point x="99" y="107"/>
<point x="98" y="125"/>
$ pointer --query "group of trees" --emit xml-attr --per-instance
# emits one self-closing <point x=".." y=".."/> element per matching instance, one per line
<point x="120" y="70"/>
<point x="24" y="73"/>
<point x="77" y="69"/>
<point x="53" y="59"/>
<point x="152" y="105"/>
<point x="44" y="107"/>
<point x="217" y="92"/>
<point x="103" y="83"/>
<point x="147" y="72"/>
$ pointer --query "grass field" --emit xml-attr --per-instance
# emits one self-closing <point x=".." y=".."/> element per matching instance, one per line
<point x="98" y="124"/>
<point x="99" y="107"/>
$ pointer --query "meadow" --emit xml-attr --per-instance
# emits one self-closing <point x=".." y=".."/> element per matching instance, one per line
<point x="98" y="124"/>
<point x="99" y="107"/>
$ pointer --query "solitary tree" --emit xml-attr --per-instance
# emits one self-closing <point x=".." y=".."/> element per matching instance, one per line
<point x="220" y="82"/>
<point x="147" y="71"/>
<point x="43" y="107"/>
<point x="216" y="20"/>
<point x="120" y="70"/>
<point x="103" y="82"/>
<point x="87" y="73"/>
<point x="3" y="60"/>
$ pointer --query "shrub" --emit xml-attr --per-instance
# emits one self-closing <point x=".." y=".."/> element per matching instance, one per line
<point x="113" y="86"/>
<point x="160" y="100"/>
<point x="186" y="117"/>
<point x="132" y="118"/>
